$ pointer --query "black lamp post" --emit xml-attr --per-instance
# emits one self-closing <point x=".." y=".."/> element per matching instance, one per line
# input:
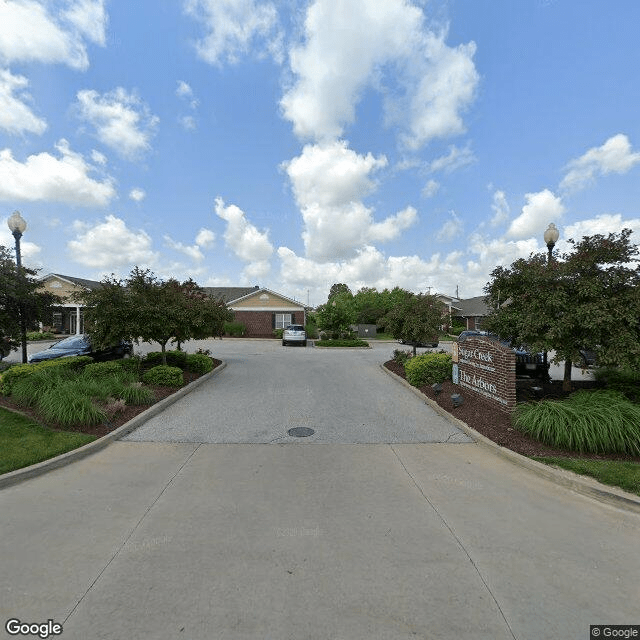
<point x="18" y="226"/>
<point x="551" y="236"/>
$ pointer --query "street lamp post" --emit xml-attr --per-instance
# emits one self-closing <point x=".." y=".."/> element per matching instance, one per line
<point x="18" y="226"/>
<point x="551" y="236"/>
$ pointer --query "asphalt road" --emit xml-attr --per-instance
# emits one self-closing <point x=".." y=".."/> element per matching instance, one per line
<point x="343" y="541"/>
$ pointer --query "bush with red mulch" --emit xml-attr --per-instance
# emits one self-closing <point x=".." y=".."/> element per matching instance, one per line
<point x="482" y="416"/>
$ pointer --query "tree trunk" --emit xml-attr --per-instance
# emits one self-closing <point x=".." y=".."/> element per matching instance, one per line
<point x="566" y="382"/>
<point x="164" y="352"/>
<point x="414" y="351"/>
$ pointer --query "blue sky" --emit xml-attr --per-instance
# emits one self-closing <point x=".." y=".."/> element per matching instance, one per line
<point x="297" y="144"/>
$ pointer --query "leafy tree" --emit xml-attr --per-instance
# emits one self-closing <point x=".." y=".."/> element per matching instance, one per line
<point x="20" y="292"/>
<point x="338" y="314"/>
<point x="415" y="318"/>
<point x="148" y="309"/>
<point x="339" y="287"/>
<point x="369" y="305"/>
<point x="589" y="298"/>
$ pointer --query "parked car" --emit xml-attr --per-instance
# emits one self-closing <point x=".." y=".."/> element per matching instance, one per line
<point x="80" y="345"/>
<point x="294" y="334"/>
<point x="588" y="359"/>
<point x="434" y="342"/>
<point x="527" y="364"/>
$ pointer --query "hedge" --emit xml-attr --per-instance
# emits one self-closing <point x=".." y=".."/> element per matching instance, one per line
<point x="428" y="368"/>
<point x="21" y="371"/>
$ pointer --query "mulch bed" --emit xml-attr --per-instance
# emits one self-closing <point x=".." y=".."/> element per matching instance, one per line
<point x="494" y="424"/>
<point x="115" y="421"/>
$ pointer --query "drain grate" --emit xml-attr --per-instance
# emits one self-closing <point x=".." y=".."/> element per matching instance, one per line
<point x="301" y="432"/>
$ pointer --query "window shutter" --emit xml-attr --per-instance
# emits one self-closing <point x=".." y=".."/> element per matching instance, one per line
<point x="293" y="318"/>
<point x="273" y="320"/>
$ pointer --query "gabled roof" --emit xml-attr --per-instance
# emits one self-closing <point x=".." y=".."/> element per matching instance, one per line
<point x="473" y="307"/>
<point x="81" y="282"/>
<point x="230" y="294"/>
<point x="273" y="293"/>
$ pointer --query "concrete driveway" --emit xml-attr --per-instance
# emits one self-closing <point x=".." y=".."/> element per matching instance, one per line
<point x="395" y="539"/>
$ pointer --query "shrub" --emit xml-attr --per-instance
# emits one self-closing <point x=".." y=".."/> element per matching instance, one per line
<point x="341" y="342"/>
<point x="400" y="356"/>
<point x="36" y="335"/>
<point x="278" y="333"/>
<point x="174" y="359"/>
<point x="199" y="363"/>
<point x="235" y="329"/>
<point x="68" y="406"/>
<point x="428" y="368"/>
<point x="100" y="370"/>
<point x="164" y="375"/>
<point x="625" y="381"/>
<point x="19" y="371"/>
<point x="132" y="365"/>
<point x="136" y="394"/>
<point x="311" y="329"/>
<point x="28" y="390"/>
<point x="588" y="421"/>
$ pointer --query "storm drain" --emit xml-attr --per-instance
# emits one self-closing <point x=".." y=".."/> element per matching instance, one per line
<point x="301" y="432"/>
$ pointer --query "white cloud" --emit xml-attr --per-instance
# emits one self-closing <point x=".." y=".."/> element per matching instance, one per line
<point x="15" y="116"/>
<point x="243" y="238"/>
<point x="122" y="121"/>
<point x="235" y="28"/>
<point x="329" y="182"/>
<point x="137" y="195"/>
<point x="455" y="159"/>
<point x="46" y="178"/>
<point x="500" y="208"/>
<point x="89" y="18"/>
<point x="110" y="244"/>
<point x="30" y="33"/>
<point x="192" y="252"/>
<point x="542" y="208"/>
<point x="614" y="156"/>
<point x="205" y="238"/>
<point x="451" y="228"/>
<point x="98" y="158"/>
<point x="188" y="123"/>
<point x="603" y="224"/>
<point x="430" y="189"/>
<point x="362" y="43"/>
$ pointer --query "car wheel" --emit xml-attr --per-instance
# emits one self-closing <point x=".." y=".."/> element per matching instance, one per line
<point x="304" y="344"/>
<point x="284" y="344"/>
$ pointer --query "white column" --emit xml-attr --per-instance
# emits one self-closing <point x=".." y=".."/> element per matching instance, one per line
<point x="77" y="320"/>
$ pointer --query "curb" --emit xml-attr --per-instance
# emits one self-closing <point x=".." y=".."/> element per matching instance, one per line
<point x="579" y="484"/>
<point x="13" y="477"/>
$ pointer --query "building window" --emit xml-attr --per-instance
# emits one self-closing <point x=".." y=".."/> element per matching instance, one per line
<point x="283" y="320"/>
<point x="478" y="322"/>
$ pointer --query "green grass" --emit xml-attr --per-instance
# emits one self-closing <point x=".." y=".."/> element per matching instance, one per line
<point x="625" y="475"/>
<point x="588" y="422"/>
<point x="24" y="442"/>
<point x="384" y="336"/>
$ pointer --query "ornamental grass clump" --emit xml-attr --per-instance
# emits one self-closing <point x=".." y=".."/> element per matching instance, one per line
<point x="67" y="406"/>
<point x="428" y="368"/>
<point x="598" y="422"/>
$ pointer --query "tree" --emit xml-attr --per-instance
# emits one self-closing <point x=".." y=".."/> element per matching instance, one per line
<point x="339" y="287"/>
<point x="369" y="305"/>
<point x="148" y="309"/>
<point x="20" y="292"/>
<point x="338" y="314"/>
<point x="415" y="318"/>
<point x="587" y="299"/>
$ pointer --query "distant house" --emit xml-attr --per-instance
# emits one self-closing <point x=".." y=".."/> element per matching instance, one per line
<point x="471" y="312"/>
<point x="260" y="310"/>
<point x="67" y="317"/>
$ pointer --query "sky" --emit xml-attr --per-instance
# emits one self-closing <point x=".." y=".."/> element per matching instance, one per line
<point x="292" y="144"/>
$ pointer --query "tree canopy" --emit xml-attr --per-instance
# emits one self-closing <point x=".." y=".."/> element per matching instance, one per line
<point x="142" y="307"/>
<point x="589" y="298"/>
<point x="20" y="292"/>
<point x="415" y="318"/>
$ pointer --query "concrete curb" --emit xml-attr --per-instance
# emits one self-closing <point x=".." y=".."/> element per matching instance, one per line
<point x="580" y="484"/>
<point x="39" y="468"/>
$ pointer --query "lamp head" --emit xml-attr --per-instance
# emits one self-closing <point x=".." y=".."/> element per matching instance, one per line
<point x="16" y="223"/>
<point x="551" y="235"/>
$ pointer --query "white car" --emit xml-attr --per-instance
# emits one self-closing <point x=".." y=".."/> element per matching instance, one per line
<point x="294" y="334"/>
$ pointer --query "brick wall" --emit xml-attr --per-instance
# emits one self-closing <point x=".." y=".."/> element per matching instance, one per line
<point x="487" y="368"/>
<point x="260" y="323"/>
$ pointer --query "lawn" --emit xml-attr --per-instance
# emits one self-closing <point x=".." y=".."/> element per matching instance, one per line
<point x="24" y="442"/>
<point x="625" y="475"/>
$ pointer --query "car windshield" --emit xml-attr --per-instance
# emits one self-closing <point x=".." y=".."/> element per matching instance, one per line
<point x="73" y="342"/>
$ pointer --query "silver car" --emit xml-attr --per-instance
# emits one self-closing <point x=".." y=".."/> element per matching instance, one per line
<point x="294" y="334"/>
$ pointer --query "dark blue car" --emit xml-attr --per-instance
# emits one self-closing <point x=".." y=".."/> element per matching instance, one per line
<point x="80" y="345"/>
